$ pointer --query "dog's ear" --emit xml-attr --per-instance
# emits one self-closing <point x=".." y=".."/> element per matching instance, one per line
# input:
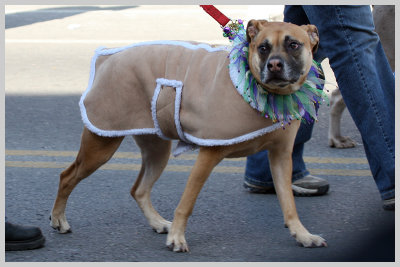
<point x="253" y="27"/>
<point x="312" y="32"/>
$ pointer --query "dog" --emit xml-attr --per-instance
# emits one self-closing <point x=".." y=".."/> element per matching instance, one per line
<point x="280" y="57"/>
<point x="383" y="17"/>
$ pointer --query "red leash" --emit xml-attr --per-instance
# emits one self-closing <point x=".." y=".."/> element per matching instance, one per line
<point x="216" y="14"/>
<point x="230" y="31"/>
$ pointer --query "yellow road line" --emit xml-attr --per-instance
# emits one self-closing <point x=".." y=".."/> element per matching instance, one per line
<point x="340" y="172"/>
<point x="189" y="156"/>
<point x="335" y="160"/>
<point x="61" y="153"/>
<point x="175" y="168"/>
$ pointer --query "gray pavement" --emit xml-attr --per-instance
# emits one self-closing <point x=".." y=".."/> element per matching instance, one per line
<point x="47" y="55"/>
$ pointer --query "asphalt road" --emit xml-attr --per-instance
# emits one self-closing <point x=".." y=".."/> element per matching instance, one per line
<point x="47" y="56"/>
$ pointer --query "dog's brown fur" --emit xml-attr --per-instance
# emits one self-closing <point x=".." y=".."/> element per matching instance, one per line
<point x="96" y="150"/>
<point x="277" y="38"/>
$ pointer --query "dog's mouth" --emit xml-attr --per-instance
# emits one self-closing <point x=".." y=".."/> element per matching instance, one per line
<point x="279" y="75"/>
<point x="279" y="85"/>
<point x="279" y="81"/>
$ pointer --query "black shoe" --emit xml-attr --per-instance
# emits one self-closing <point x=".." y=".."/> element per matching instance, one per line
<point x="20" y="237"/>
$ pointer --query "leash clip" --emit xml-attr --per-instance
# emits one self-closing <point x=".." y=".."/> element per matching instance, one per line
<point x="232" y="28"/>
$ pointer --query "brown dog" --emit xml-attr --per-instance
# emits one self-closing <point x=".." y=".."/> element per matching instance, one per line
<point x="280" y="56"/>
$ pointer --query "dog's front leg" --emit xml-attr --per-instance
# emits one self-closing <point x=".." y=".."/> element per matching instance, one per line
<point x="207" y="159"/>
<point x="281" y="168"/>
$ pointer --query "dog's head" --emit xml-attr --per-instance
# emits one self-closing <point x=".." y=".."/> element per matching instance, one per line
<point x="280" y="54"/>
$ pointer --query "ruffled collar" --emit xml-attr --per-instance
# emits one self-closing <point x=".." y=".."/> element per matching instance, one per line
<point x="301" y="105"/>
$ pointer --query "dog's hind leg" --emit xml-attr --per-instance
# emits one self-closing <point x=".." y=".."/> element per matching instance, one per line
<point x="155" y="155"/>
<point x="334" y="136"/>
<point x="93" y="153"/>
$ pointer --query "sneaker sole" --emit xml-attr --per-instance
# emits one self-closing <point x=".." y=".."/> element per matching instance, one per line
<point x="305" y="192"/>
<point x="258" y="189"/>
<point x="297" y="191"/>
<point x="389" y="204"/>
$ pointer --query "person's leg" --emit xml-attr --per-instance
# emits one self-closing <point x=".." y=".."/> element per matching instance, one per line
<point x="296" y="15"/>
<point x="258" y="177"/>
<point x="258" y="171"/>
<point x="303" y="135"/>
<point x="365" y="80"/>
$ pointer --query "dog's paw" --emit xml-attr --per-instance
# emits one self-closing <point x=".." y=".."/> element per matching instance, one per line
<point x="341" y="142"/>
<point x="60" y="223"/>
<point x="177" y="243"/>
<point x="310" y="241"/>
<point x="162" y="227"/>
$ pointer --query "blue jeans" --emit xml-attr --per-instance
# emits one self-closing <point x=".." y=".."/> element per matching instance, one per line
<point x="258" y="171"/>
<point x="365" y="80"/>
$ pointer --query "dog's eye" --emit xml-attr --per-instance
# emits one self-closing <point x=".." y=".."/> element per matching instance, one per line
<point x="263" y="49"/>
<point x="294" y="45"/>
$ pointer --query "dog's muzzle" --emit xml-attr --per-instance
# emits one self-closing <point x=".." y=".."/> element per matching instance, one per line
<point x="276" y="72"/>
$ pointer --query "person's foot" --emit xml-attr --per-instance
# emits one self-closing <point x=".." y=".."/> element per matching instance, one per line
<point x="19" y="237"/>
<point x="307" y="186"/>
<point x="388" y="204"/>
<point x="252" y="188"/>
<point x="310" y="186"/>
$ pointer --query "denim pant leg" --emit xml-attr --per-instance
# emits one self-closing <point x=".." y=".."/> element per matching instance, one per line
<point x="258" y="171"/>
<point x="296" y="15"/>
<point x="365" y="80"/>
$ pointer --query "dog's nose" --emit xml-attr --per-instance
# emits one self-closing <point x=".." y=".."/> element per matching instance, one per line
<point x="275" y="65"/>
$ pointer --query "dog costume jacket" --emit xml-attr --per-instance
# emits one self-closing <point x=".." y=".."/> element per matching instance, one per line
<point x="177" y="90"/>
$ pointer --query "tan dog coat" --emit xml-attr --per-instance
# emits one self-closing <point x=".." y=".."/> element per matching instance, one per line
<point x="177" y="90"/>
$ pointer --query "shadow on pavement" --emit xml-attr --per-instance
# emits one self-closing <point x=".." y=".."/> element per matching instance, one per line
<point x="30" y="17"/>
